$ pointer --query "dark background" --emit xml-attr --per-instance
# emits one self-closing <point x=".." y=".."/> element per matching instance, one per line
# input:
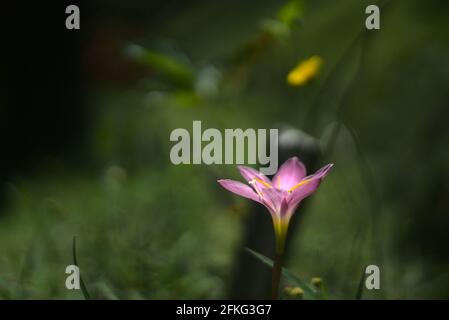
<point x="85" y="123"/>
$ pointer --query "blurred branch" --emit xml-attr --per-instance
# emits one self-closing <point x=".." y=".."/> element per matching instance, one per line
<point x="273" y="29"/>
<point x="189" y="80"/>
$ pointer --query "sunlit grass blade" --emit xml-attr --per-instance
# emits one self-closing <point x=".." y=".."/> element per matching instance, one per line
<point x="75" y="262"/>
<point x="309" y="292"/>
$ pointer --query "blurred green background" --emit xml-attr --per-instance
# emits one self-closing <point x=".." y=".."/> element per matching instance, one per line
<point x="86" y="117"/>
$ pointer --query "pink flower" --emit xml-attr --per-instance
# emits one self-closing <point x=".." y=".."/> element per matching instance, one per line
<point x="281" y="195"/>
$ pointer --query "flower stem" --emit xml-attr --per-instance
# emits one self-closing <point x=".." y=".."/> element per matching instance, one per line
<point x="280" y="231"/>
<point x="276" y="276"/>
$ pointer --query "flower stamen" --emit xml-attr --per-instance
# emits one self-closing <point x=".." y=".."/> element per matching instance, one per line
<point x="299" y="184"/>
<point x="253" y="182"/>
<point x="266" y="184"/>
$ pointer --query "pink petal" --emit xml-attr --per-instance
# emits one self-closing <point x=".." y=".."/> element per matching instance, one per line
<point x="249" y="174"/>
<point x="302" y="192"/>
<point x="284" y="207"/>
<point x="239" y="188"/>
<point x="308" y="188"/>
<point x="321" y="173"/>
<point x="289" y="174"/>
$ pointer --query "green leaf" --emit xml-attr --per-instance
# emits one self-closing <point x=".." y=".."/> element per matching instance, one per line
<point x="290" y="12"/>
<point x="309" y="292"/>
<point x="83" y="286"/>
<point x="171" y="69"/>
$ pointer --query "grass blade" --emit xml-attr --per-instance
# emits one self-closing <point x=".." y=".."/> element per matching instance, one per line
<point x="75" y="262"/>
<point x="360" y="286"/>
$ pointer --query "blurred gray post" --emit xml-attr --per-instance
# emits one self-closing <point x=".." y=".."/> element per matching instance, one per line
<point x="251" y="278"/>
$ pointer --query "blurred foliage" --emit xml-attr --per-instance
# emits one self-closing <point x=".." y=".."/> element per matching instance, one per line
<point x="148" y="229"/>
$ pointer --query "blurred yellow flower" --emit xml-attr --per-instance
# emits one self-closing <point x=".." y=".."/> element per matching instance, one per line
<point x="304" y="71"/>
<point x="317" y="282"/>
<point x="295" y="292"/>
